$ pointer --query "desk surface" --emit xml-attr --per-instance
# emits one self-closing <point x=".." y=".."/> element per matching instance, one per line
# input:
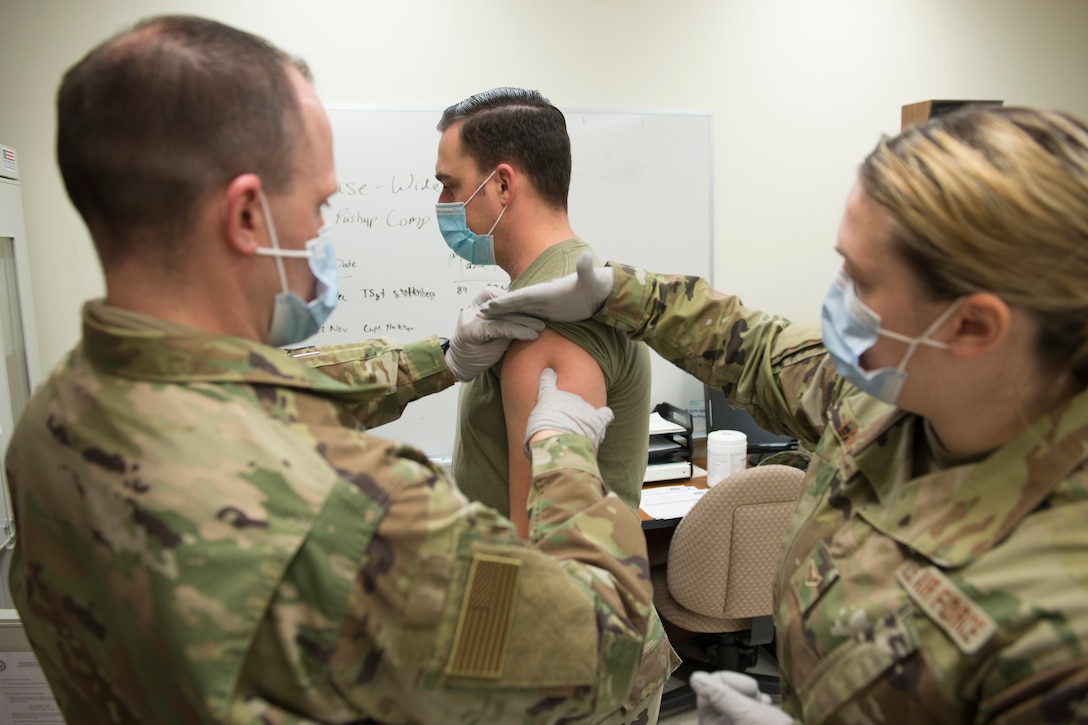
<point x="659" y="532"/>
<point x="649" y="522"/>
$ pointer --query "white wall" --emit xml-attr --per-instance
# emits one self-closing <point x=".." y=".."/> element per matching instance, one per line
<point x="800" y="92"/>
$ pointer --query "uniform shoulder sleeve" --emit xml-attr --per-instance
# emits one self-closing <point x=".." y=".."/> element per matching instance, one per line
<point x="776" y="369"/>
<point x="453" y="617"/>
<point x="383" y="374"/>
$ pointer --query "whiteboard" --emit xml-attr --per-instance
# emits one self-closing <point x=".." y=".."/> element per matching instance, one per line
<point x="640" y="194"/>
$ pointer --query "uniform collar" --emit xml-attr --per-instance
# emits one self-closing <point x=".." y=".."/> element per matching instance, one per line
<point x="141" y="347"/>
<point x="956" y="514"/>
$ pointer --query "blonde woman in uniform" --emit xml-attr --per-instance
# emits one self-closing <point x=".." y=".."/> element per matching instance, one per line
<point x="936" y="568"/>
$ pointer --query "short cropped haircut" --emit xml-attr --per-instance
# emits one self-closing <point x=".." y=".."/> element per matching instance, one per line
<point x="996" y="200"/>
<point x="156" y="118"/>
<point x="519" y="127"/>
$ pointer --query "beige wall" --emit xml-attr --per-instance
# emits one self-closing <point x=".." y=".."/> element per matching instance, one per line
<point x="800" y="91"/>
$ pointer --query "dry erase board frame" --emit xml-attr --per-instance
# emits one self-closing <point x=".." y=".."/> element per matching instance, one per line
<point x="641" y="194"/>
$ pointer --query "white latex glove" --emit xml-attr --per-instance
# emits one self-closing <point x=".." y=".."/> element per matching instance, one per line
<point x="559" y="410"/>
<point x="575" y="297"/>
<point x="478" y="343"/>
<point x="733" y="698"/>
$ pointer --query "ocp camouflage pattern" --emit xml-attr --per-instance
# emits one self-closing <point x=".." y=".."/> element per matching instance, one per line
<point x="906" y="592"/>
<point x="207" y="533"/>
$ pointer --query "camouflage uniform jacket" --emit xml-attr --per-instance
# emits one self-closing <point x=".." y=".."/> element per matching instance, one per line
<point x="207" y="534"/>
<point x="950" y="596"/>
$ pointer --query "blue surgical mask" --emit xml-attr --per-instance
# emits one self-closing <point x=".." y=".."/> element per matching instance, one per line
<point x="472" y="247"/>
<point x="293" y="319"/>
<point x="850" y="328"/>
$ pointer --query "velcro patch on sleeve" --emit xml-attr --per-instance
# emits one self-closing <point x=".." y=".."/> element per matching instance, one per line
<point x="487" y="610"/>
<point x="961" y="618"/>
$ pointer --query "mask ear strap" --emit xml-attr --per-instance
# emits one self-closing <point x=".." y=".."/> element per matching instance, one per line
<point x="496" y="221"/>
<point x="273" y="238"/>
<point x="923" y="339"/>
<point x="480" y="186"/>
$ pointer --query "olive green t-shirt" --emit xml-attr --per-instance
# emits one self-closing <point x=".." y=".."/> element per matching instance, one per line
<point x="480" y="454"/>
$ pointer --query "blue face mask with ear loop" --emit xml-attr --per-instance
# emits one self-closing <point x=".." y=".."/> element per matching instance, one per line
<point x="466" y="244"/>
<point x="850" y="328"/>
<point x="293" y="319"/>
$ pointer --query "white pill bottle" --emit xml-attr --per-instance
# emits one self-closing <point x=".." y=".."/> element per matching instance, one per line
<point x="726" y="454"/>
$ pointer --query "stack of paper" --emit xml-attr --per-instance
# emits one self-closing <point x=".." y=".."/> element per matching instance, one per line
<point x="670" y="502"/>
<point x="659" y="425"/>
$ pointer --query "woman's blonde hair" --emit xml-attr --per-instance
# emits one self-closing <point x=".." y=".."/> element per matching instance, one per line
<point x="996" y="200"/>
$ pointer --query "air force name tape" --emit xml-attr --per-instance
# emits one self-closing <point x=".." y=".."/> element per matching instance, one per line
<point x="961" y="618"/>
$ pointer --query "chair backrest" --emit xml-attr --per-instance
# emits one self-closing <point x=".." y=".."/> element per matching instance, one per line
<point x="724" y="552"/>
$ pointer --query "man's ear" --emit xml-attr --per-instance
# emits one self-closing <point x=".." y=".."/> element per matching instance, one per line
<point x="244" y="226"/>
<point x="508" y="182"/>
<point x="982" y="323"/>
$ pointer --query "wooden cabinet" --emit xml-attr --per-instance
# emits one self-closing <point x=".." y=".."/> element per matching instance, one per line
<point x="918" y="113"/>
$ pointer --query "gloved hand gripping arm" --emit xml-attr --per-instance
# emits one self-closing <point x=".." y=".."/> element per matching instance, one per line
<point x="558" y="411"/>
<point x="478" y="343"/>
<point x="577" y="296"/>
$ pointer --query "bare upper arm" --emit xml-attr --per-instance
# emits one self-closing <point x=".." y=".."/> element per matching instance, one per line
<point x="577" y="372"/>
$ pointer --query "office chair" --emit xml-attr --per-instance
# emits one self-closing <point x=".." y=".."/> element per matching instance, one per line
<point x="717" y="582"/>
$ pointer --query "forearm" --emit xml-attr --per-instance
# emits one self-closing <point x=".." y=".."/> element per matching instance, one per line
<point x="571" y="519"/>
<point x="687" y="322"/>
<point x="762" y="362"/>
<point x="383" y="375"/>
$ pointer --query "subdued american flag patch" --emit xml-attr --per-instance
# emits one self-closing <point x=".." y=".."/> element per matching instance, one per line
<point x="487" y="611"/>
